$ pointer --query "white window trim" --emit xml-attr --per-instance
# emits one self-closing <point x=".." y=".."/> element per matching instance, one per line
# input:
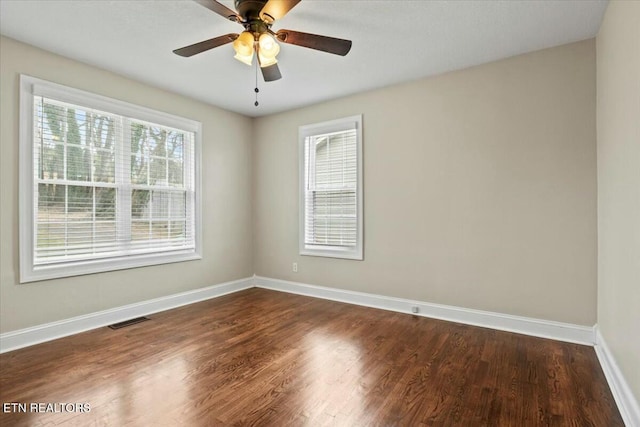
<point x="29" y="273"/>
<point x="355" y="253"/>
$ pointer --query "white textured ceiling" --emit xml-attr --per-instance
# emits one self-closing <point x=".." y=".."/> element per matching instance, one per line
<point x="393" y="41"/>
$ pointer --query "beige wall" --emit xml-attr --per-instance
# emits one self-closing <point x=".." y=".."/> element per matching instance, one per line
<point x="618" y="53"/>
<point x="227" y="243"/>
<point x="480" y="189"/>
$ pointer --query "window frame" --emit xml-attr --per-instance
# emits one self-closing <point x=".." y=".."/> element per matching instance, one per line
<point x="353" y="253"/>
<point x="31" y="87"/>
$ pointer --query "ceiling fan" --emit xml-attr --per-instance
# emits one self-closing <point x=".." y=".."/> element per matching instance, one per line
<point x="257" y="17"/>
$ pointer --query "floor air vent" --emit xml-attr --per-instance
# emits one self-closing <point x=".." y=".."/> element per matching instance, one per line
<point x="128" y="322"/>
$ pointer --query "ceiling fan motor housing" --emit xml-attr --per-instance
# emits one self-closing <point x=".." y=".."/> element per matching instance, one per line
<point x="249" y="9"/>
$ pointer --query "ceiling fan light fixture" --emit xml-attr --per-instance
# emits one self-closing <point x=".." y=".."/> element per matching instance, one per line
<point x="243" y="46"/>
<point x="267" y="46"/>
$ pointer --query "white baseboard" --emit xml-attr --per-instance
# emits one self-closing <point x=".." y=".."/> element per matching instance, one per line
<point x="523" y="325"/>
<point x="50" y="331"/>
<point x="627" y="403"/>
<point x="504" y="322"/>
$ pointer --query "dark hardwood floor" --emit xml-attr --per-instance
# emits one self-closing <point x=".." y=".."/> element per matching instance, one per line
<point x="260" y="357"/>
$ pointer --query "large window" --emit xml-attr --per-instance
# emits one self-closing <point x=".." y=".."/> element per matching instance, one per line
<point x="331" y="189"/>
<point x="104" y="185"/>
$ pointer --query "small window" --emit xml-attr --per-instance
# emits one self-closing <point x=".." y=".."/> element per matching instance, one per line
<point x="331" y="189"/>
<point x="104" y="185"/>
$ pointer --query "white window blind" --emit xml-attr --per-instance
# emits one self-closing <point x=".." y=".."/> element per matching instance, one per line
<point x="331" y="197"/>
<point x="331" y="184"/>
<point x="109" y="190"/>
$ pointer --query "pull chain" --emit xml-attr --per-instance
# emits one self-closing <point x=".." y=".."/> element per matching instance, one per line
<point x="256" y="88"/>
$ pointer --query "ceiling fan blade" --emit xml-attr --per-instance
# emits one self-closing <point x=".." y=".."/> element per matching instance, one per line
<point x="220" y="9"/>
<point x="314" y="41"/>
<point x="276" y="9"/>
<point x="203" y="46"/>
<point x="271" y="73"/>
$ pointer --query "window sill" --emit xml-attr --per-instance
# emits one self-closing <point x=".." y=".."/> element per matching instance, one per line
<point x="79" y="268"/>
<point x="333" y="252"/>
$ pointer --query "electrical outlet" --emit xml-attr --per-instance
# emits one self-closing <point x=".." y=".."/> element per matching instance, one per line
<point x="295" y="267"/>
